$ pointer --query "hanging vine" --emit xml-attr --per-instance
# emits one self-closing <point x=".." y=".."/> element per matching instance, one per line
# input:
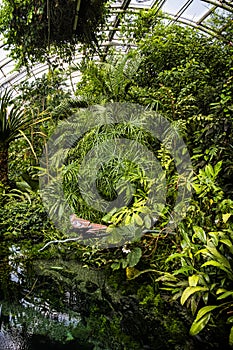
<point x="34" y="28"/>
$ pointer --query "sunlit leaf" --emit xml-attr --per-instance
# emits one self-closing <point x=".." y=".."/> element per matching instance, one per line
<point x="204" y="310"/>
<point x="199" y="233"/>
<point x="225" y="295"/>
<point x="197" y="326"/>
<point x="225" y="217"/>
<point x="193" y="280"/>
<point x="131" y="272"/>
<point x="189" y="291"/>
<point x="217" y="264"/>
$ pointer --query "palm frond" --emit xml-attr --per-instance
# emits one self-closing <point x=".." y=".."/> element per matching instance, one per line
<point x="12" y="118"/>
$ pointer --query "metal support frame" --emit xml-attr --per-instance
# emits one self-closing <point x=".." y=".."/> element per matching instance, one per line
<point x="112" y="28"/>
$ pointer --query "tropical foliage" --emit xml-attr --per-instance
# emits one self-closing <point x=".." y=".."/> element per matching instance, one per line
<point x="36" y="29"/>
<point x="12" y="121"/>
<point x="175" y="73"/>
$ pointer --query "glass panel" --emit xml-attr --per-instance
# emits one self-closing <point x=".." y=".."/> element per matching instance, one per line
<point x="191" y="10"/>
<point x="196" y="10"/>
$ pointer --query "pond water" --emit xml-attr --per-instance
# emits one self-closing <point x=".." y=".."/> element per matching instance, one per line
<point x="30" y="314"/>
<point x="56" y="304"/>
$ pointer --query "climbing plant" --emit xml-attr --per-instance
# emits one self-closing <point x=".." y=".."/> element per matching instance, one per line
<point x="34" y="30"/>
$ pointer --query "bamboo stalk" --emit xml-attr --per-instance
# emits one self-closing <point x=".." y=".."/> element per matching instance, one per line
<point x="49" y="23"/>
<point x="76" y="15"/>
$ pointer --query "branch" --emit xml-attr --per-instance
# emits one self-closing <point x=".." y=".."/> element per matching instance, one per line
<point x="60" y="241"/>
<point x="81" y="238"/>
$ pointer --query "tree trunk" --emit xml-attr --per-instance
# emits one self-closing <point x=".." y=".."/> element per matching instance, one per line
<point x="4" y="164"/>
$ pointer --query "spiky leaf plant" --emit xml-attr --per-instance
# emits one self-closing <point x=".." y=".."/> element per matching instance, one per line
<point x="12" y="120"/>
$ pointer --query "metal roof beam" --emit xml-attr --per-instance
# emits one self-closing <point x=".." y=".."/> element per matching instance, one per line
<point x="209" y="12"/>
<point x="202" y="27"/>
<point x="221" y="4"/>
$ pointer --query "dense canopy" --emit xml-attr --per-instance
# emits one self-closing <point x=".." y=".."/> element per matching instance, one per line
<point x="116" y="196"/>
<point x="194" y="13"/>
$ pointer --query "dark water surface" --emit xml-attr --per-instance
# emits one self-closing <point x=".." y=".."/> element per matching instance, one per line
<point x="36" y="310"/>
<point x="57" y="304"/>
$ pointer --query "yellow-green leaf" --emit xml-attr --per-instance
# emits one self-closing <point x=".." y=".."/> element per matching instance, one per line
<point x="225" y="295"/>
<point x="219" y="257"/>
<point x="197" y="326"/>
<point x="138" y="220"/>
<point x="193" y="280"/>
<point x="204" y="310"/>
<point x="216" y="264"/>
<point x="131" y="272"/>
<point x="231" y="337"/>
<point x="225" y="217"/>
<point x="199" y="233"/>
<point x="128" y="220"/>
<point x="189" y="291"/>
<point x="56" y="267"/>
<point x="205" y="297"/>
<point x="221" y="290"/>
<point x="147" y="221"/>
<point x="227" y="242"/>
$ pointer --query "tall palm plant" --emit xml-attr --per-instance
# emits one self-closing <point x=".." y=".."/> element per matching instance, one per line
<point x="12" y="119"/>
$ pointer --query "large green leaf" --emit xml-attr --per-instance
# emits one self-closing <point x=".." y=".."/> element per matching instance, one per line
<point x="225" y="217"/>
<point x="138" y="220"/>
<point x="225" y="295"/>
<point x="167" y="277"/>
<point x="147" y="221"/>
<point x="183" y="270"/>
<point x="191" y="290"/>
<point x="199" y="233"/>
<point x="202" y="319"/>
<point x="219" y="257"/>
<point x="197" y="326"/>
<point x="219" y="265"/>
<point x="193" y="280"/>
<point x="227" y="242"/>
<point x="174" y="256"/>
<point x="134" y="256"/>
<point x="204" y="310"/>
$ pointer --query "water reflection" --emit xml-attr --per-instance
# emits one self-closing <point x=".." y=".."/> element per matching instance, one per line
<point x="58" y="304"/>
<point x="30" y="313"/>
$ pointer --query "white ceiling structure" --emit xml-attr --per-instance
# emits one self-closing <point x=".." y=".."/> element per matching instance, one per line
<point x="188" y="12"/>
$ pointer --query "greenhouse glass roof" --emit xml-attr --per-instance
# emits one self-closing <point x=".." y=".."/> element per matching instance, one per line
<point x="194" y="13"/>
